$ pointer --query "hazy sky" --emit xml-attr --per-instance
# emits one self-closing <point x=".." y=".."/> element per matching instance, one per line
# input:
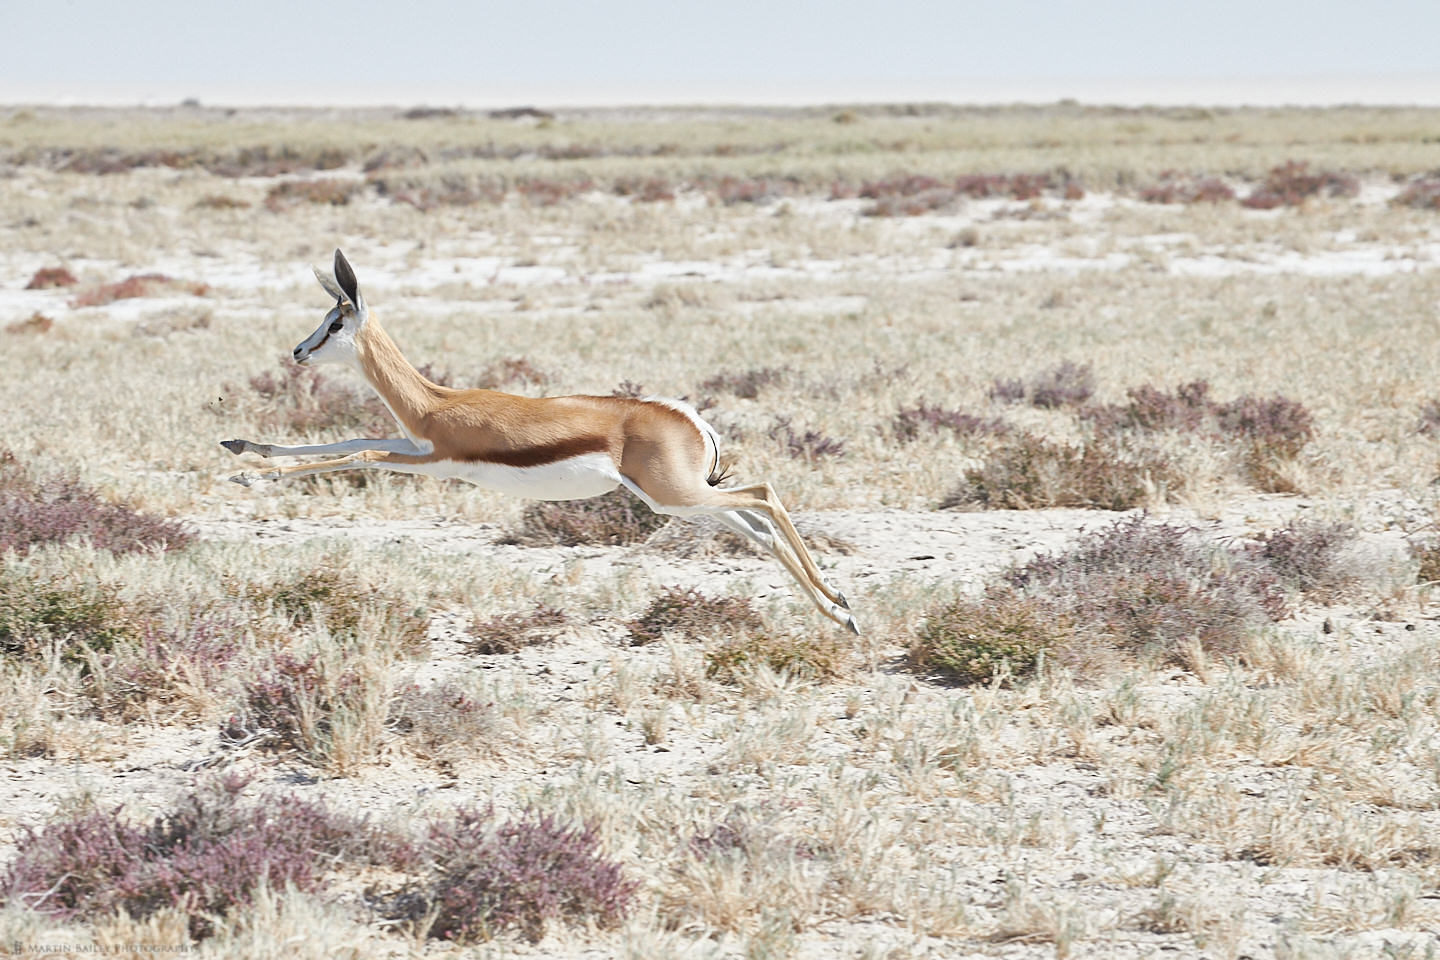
<point x="736" y="51"/>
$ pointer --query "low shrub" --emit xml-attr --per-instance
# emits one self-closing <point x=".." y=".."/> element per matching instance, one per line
<point x="161" y="666"/>
<point x="1155" y="586"/>
<point x="330" y="711"/>
<point x="613" y="519"/>
<point x="35" y="512"/>
<point x="694" y="615"/>
<point x="1310" y="557"/>
<point x="485" y="879"/>
<point x="809" y="446"/>
<point x="138" y="285"/>
<point x="301" y="400"/>
<point x="1421" y="193"/>
<point x="346" y="606"/>
<point x="1292" y="183"/>
<point x="1189" y="408"/>
<point x="1175" y="187"/>
<point x="748" y="384"/>
<point x="37" y="322"/>
<point x="1031" y="473"/>
<point x="976" y="640"/>
<point x="909" y="422"/>
<point x="1066" y="384"/>
<point x="328" y="191"/>
<point x="512" y="632"/>
<point x="1133" y="589"/>
<point x="48" y="277"/>
<point x="507" y="371"/>
<point x="206" y="856"/>
<point x="1266" y="433"/>
<point x="822" y="656"/>
<point x="80" y="616"/>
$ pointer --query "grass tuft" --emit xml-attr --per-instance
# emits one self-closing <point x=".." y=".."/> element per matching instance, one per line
<point x="512" y="632"/>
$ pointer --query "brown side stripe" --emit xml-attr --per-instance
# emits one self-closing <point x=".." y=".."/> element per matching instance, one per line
<point x="541" y="455"/>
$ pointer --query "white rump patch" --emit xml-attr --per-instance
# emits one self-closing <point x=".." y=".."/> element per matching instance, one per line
<point x="706" y="431"/>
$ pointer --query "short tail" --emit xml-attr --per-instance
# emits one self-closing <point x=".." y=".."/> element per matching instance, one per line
<point x="719" y="473"/>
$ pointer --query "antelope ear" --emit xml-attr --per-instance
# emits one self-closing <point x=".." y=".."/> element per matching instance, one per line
<point x="331" y="287"/>
<point x="346" y="278"/>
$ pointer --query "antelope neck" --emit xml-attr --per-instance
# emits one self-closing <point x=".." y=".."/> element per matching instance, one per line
<point x="405" y="391"/>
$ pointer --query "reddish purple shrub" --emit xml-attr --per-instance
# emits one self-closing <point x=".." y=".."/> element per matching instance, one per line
<point x="1176" y="187"/>
<point x="53" y="511"/>
<point x="522" y="875"/>
<point x="1150" y="408"/>
<point x="810" y="445"/>
<point x="1421" y="193"/>
<point x="1067" y="384"/>
<point x="47" y="277"/>
<point x="1308" y="556"/>
<point x="139" y="285"/>
<point x="1278" y="425"/>
<point x="1292" y="183"/>
<point x="206" y="856"/>
<point x="294" y="700"/>
<point x="747" y="385"/>
<point x="329" y="192"/>
<point x="1154" y="586"/>
<point x="907" y="423"/>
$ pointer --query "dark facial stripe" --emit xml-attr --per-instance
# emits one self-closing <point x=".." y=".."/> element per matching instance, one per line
<point x="545" y="453"/>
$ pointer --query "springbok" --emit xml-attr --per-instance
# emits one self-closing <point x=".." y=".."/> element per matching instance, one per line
<point x="550" y="448"/>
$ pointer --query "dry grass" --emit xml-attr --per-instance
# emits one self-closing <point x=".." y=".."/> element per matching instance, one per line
<point x="1069" y="306"/>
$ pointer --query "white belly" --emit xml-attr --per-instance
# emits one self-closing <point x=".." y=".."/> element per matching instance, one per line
<point x="577" y="478"/>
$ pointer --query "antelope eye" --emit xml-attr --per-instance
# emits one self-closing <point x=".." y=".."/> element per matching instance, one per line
<point x="337" y="326"/>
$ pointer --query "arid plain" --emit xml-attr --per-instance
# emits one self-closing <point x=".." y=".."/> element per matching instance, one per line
<point x="1118" y="427"/>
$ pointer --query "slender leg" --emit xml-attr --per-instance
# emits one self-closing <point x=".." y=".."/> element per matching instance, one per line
<point x="772" y="509"/>
<point x="735" y="521"/>
<point x="267" y="450"/>
<point x="750" y="518"/>
<point x="365" y="460"/>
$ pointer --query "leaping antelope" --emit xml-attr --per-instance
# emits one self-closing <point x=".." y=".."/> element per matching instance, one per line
<point x="551" y="448"/>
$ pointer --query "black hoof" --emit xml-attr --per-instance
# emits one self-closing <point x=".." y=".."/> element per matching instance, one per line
<point x="236" y="447"/>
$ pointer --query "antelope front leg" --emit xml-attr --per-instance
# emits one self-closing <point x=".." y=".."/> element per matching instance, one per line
<point x="268" y="450"/>
<point x="364" y="460"/>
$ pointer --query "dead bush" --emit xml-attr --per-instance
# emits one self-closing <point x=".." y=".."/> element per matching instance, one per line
<point x="512" y="632"/>
<point x="1031" y="473"/>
